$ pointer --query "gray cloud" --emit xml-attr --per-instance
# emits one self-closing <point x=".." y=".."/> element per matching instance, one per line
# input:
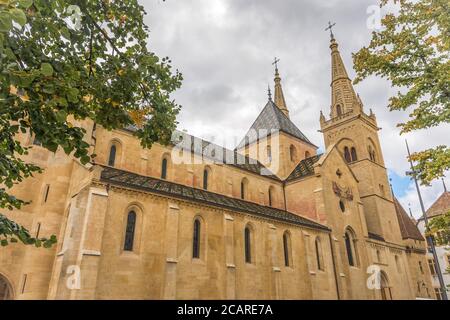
<point x="225" y="49"/>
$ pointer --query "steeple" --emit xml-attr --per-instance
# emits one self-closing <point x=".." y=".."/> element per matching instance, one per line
<point x="279" y="96"/>
<point x="343" y="96"/>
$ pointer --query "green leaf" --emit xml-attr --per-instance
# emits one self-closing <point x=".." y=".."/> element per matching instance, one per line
<point x="47" y="69"/>
<point x="61" y="116"/>
<point x="72" y="95"/>
<point x="18" y="16"/>
<point x="25" y="3"/>
<point x="5" y="22"/>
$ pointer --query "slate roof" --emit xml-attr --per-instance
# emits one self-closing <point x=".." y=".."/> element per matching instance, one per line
<point x="408" y="228"/>
<point x="218" y="154"/>
<point x="440" y="206"/>
<point x="304" y="168"/>
<point x="271" y="118"/>
<point x="127" y="179"/>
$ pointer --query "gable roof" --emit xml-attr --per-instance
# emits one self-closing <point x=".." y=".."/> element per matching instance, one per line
<point x="407" y="227"/>
<point x="440" y="206"/>
<point x="272" y="118"/>
<point x="131" y="180"/>
<point x="304" y="168"/>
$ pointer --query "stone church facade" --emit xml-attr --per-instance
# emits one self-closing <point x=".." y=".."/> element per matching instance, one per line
<point x="270" y="220"/>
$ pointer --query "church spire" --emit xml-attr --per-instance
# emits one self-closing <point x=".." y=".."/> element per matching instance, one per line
<point x="343" y="96"/>
<point x="279" y="96"/>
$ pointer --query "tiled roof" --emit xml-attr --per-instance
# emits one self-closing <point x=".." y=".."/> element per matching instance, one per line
<point x="271" y="118"/>
<point x="407" y="227"/>
<point x="440" y="206"/>
<point x="218" y="154"/>
<point x="304" y="168"/>
<point x="118" y="177"/>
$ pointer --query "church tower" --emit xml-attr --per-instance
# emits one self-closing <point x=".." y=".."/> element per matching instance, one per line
<point x="355" y="134"/>
<point x="273" y="139"/>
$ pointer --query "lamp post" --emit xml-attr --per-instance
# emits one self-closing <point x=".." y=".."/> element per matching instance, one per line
<point x="425" y="219"/>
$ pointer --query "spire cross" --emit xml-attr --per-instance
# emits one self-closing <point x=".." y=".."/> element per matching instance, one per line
<point x="330" y="27"/>
<point x="275" y="63"/>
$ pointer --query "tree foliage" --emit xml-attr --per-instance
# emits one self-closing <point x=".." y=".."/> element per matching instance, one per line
<point x="62" y="61"/>
<point x="439" y="229"/>
<point x="411" y="50"/>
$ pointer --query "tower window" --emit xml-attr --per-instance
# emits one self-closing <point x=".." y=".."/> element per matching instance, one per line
<point x="339" y="110"/>
<point x="271" y="196"/>
<point x="293" y="153"/>
<point x="129" y="231"/>
<point x="196" y="240"/>
<point x="244" y="188"/>
<point x="353" y="153"/>
<point x="269" y="153"/>
<point x="347" y="155"/>
<point x="112" y="156"/>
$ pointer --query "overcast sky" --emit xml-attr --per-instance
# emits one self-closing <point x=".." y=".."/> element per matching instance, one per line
<point x="225" y="49"/>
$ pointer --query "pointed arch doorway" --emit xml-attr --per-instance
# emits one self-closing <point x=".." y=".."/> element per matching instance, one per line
<point x="6" y="292"/>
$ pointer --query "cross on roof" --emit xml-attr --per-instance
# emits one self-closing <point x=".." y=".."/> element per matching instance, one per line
<point x="330" y="27"/>
<point x="276" y="62"/>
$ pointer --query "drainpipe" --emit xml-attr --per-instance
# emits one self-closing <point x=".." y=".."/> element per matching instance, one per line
<point x="334" y="267"/>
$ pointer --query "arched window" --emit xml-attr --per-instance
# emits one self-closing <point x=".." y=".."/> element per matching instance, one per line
<point x="6" y="292"/>
<point x="244" y="188"/>
<point x="248" y="244"/>
<point x="164" y="169"/>
<point x="354" y="155"/>
<point x="339" y="110"/>
<point x="196" y="240"/>
<point x="319" y="255"/>
<point x="307" y="155"/>
<point x="349" y="240"/>
<point x="271" y="191"/>
<point x="129" y="231"/>
<point x="205" y="178"/>
<point x="269" y="153"/>
<point x="347" y="155"/>
<point x="287" y="249"/>
<point x="371" y="150"/>
<point x="293" y="153"/>
<point x="112" y="155"/>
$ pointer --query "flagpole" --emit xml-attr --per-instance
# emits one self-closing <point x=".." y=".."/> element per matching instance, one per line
<point x="429" y="237"/>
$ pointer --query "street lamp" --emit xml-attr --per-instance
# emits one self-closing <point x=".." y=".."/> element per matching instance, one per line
<point x="429" y="239"/>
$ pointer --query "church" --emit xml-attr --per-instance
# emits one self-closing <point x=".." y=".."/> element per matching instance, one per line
<point x="271" y="219"/>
